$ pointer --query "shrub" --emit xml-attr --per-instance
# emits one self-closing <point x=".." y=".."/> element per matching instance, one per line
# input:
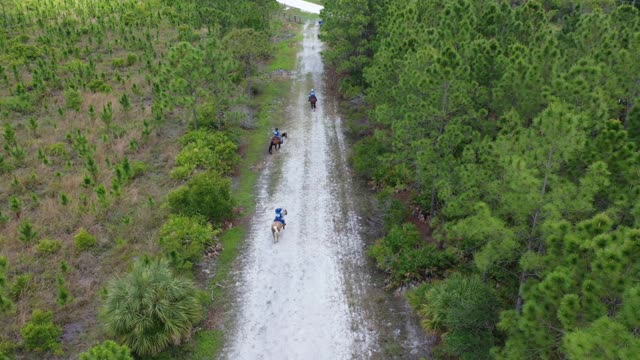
<point x="27" y="231"/>
<point x="206" y="194"/>
<point x="5" y="303"/>
<point x="74" y="99"/>
<point x="84" y="240"/>
<point x="408" y="258"/>
<point x="20" y="285"/>
<point x="23" y="103"/>
<point x="98" y="85"/>
<point x="7" y="347"/>
<point x="150" y="308"/>
<point x="41" y="334"/>
<point x="132" y="59"/>
<point x="465" y="309"/>
<point x="108" y="350"/>
<point x="185" y="238"/>
<point x="57" y="149"/>
<point x="206" y="150"/>
<point x="366" y="156"/>
<point x="119" y="63"/>
<point x="48" y="246"/>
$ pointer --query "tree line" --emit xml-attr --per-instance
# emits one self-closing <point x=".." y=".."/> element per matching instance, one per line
<point x="515" y="125"/>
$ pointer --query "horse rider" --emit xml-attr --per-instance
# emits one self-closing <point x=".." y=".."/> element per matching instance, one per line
<point x="312" y="98"/>
<point x="277" y="134"/>
<point x="280" y="217"/>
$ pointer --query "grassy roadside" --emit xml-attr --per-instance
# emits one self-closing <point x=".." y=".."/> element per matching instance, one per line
<point x="209" y="343"/>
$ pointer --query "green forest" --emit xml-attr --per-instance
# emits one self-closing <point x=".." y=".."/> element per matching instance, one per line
<point x="123" y="122"/>
<point x="513" y="129"/>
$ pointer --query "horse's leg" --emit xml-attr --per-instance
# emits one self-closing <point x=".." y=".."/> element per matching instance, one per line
<point x="270" y="146"/>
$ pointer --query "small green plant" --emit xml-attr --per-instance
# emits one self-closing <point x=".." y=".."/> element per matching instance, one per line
<point x="64" y="296"/>
<point x="5" y="302"/>
<point x="74" y="99"/>
<point x="92" y="112"/>
<point x="48" y="246"/>
<point x="35" y="200"/>
<point x="147" y="129"/>
<point x="64" y="266"/>
<point x="103" y="195"/>
<point x="108" y="350"/>
<point x="41" y="334"/>
<point x="107" y="114"/>
<point x="21" y="285"/>
<point x="10" y="140"/>
<point x="64" y="199"/>
<point x="57" y="149"/>
<point x="15" y="203"/>
<point x="84" y="240"/>
<point x="33" y="125"/>
<point x="7" y="348"/>
<point x="92" y="168"/>
<point x="98" y="85"/>
<point x="132" y="59"/>
<point x="27" y="231"/>
<point x="125" y="102"/>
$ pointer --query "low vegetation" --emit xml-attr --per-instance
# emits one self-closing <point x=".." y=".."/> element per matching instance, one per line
<point x="120" y="134"/>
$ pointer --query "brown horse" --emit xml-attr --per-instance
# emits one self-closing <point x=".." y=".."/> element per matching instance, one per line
<point x="313" y="100"/>
<point x="276" y="142"/>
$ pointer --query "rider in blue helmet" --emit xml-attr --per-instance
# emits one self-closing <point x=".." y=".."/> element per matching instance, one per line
<point x="280" y="216"/>
<point x="277" y="134"/>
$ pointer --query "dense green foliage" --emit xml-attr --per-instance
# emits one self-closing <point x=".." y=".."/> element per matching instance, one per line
<point x="516" y="125"/>
<point x="406" y="258"/>
<point x="207" y="194"/>
<point x="185" y="239"/>
<point x="108" y="350"/>
<point x="205" y="151"/>
<point x="150" y="308"/>
<point x="41" y="334"/>
<point x="84" y="240"/>
<point x="464" y="310"/>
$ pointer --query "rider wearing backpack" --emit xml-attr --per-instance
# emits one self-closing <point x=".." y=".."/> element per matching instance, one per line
<point x="280" y="216"/>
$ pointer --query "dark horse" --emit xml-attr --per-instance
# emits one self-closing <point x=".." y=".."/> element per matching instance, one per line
<point x="276" y="142"/>
<point x="313" y="100"/>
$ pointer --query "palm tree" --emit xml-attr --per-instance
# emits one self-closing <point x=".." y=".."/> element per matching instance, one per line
<point x="150" y="308"/>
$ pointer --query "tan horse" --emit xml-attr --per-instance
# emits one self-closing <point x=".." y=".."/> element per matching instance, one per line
<point x="276" y="229"/>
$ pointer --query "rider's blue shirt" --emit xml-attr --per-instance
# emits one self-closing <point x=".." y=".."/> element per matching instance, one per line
<point x="276" y="133"/>
<point x="280" y="217"/>
<point x="313" y="93"/>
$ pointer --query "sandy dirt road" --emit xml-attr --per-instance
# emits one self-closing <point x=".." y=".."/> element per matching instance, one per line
<point x="314" y="295"/>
